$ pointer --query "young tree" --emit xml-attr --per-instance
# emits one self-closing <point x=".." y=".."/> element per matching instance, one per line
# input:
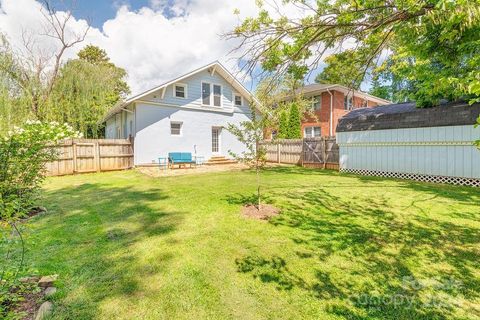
<point x="250" y="133"/>
<point x="433" y="42"/>
<point x="294" y="123"/>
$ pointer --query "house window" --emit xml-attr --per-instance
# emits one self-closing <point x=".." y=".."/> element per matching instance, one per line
<point x="310" y="132"/>
<point x="347" y="103"/>
<point x="175" y="128"/>
<point x="206" y="93"/>
<point x="238" y="100"/>
<point x="180" y="90"/>
<point x="316" y="103"/>
<point x="217" y="95"/>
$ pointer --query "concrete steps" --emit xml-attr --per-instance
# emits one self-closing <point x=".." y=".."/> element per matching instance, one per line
<point x="219" y="160"/>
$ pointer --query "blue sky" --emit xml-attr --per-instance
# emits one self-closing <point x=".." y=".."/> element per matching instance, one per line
<point x="99" y="11"/>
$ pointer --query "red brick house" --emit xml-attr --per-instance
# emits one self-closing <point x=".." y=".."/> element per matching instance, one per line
<point x="329" y="103"/>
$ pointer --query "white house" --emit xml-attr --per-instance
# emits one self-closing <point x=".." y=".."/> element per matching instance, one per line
<point x="187" y="114"/>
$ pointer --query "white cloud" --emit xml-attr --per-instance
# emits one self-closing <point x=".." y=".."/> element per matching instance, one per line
<point x="152" y="44"/>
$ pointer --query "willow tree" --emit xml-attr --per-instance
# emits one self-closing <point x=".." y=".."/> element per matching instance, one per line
<point x="86" y="88"/>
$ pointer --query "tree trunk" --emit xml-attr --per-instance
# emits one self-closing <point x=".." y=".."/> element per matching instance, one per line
<point x="258" y="187"/>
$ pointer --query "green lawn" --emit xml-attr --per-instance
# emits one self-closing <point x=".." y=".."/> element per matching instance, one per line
<point x="127" y="246"/>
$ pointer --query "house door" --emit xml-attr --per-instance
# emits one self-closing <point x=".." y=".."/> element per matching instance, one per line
<point x="216" y="140"/>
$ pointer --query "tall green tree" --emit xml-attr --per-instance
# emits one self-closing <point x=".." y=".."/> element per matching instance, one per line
<point x="94" y="55"/>
<point x="283" y="128"/>
<point x="294" y="123"/>
<point x="434" y="44"/>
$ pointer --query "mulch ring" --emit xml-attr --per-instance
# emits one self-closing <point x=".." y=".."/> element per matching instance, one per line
<point x="265" y="212"/>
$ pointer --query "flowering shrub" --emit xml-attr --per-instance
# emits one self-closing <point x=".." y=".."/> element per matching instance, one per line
<point x="23" y="154"/>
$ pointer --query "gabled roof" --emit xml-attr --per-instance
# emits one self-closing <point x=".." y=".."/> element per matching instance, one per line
<point x="408" y="115"/>
<point x="313" y="88"/>
<point x="217" y="67"/>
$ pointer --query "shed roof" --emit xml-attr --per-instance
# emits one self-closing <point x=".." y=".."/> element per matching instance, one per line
<point x="407" y="115"/>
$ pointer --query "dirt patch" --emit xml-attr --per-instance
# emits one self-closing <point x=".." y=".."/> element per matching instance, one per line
<point x="29" y="298"/>
<point x="159" y="172"/>
<point x="265" y="212"/>
<point x="35" y="211"/>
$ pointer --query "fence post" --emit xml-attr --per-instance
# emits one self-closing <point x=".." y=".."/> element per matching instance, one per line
<point x="324" y="149"/>
<point x="302" y="155"/>
<point x="97" y="156"/>
<point x="74" y="151"/>
<point x="278" y="152"/>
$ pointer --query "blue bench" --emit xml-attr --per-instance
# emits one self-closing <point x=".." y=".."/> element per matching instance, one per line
<point x="180" y="159"/>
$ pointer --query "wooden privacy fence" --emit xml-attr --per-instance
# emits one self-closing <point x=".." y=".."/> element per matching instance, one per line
<point x="321" y="152"/>
<point x="91" y="155"/>
<point x="284" y="150"/>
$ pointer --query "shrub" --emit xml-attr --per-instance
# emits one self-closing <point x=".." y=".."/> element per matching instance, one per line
<point x="23" y="154"/>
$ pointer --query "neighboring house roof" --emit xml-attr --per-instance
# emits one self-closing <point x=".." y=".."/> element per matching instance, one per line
<point x="216" y="66"/>
<point x="407" y="115"/>
<point x="315" y="88"/>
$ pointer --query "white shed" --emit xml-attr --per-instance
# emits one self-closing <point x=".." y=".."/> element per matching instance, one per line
<point x="403" y="141"/>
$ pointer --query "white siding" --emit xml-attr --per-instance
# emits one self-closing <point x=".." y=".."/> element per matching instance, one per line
<point x="194" y="92"/>
<point x="124" y="121"/>
<point x="152" y="116"/>
<point x="110" y="128"/>
<point x="442" y="151"/>
<point x="153" y="138"/>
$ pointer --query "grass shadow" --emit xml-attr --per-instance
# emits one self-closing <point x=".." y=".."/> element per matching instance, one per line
<point x="103" y="224"/>
<point x="382" y="250"/>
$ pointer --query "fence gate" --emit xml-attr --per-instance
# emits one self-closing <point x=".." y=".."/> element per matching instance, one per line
<point x="313" y="150"/>
<point x="320" y="152"/>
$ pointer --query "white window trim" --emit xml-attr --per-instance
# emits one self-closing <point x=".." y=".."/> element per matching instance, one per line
<point x="179" y="84"/>
<point x="210" y="104"/>
<point x="181" y="128"/>
<point x="213" y="95"/>
<point x="236" y="94"/>
<point x="211" y="100"/>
